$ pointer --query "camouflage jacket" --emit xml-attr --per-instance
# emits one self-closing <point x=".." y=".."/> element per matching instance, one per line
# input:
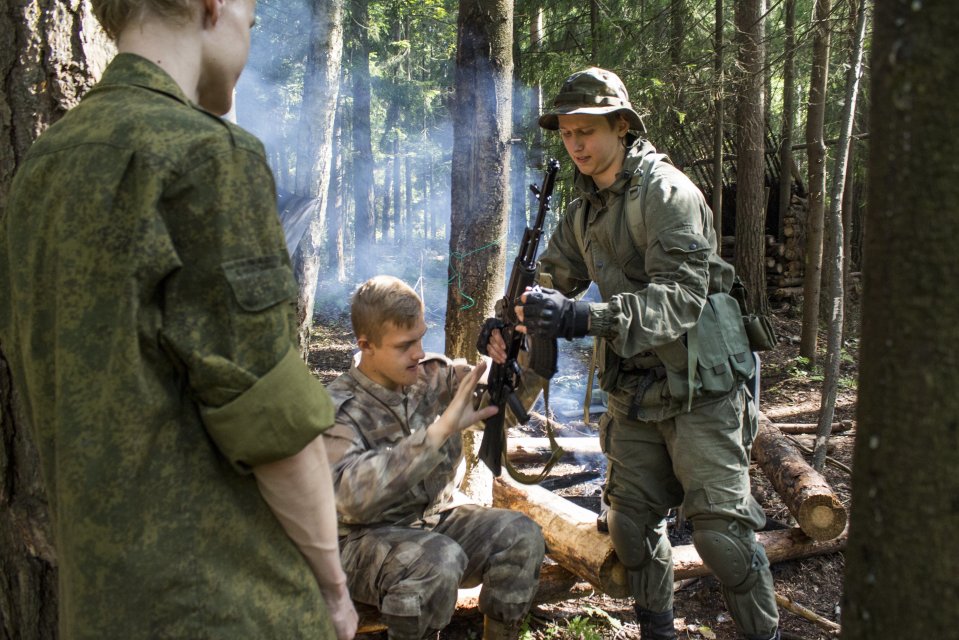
<point x="654" y="271"/>
<point x="146" y="309"/>
<point x="384" y="470"/>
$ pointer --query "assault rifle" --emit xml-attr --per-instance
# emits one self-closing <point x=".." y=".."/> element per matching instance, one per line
<point x="504" y="379"/>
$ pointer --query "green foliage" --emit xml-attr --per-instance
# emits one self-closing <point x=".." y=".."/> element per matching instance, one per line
<point x="582" y="628"/>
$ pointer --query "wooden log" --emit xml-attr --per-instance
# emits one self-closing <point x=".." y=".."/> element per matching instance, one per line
<point x="780" y="545"/>
<point x="804" y="491"/>
<point x="537" y="450"/>
<point x="573" y="541"/>
<point x="803" y="427"/>
<point x="570" y="533"/>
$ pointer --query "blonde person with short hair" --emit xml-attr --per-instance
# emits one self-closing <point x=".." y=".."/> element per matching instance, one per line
<point x="409" y="538"/>
<point x="146" y="310"/>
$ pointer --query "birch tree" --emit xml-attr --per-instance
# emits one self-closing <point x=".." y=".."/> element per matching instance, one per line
<point x="313" y="158"/>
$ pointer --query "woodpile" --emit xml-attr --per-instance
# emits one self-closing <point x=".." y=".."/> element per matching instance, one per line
<point x="784" y="257"/>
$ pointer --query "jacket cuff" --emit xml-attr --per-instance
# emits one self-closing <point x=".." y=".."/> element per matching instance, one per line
<point x="274" y="419"/>
<point x="602" y="322"/>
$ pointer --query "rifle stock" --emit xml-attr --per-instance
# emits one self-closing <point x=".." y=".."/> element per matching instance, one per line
<point x="504" y="379"/>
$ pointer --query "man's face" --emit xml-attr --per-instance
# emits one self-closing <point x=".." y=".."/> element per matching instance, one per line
<point x="393" y="363"/>
<point x="594" y="145"/>
<point x="226" y="46"/>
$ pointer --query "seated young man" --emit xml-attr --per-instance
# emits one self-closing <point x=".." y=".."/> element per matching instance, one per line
<point x="409" y="539"/>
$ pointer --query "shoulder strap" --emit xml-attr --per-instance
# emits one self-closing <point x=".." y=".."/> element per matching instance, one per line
<point x="639" y="185"/>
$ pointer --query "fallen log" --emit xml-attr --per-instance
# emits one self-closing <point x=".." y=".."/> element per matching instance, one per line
<point x="537" y="450"/>
<point x="780" y="545"/>
<point x="804" y="427"/>
<point x="573" y="541"/>
<point x="804" y="491"/>
<point x="570" y="533"/>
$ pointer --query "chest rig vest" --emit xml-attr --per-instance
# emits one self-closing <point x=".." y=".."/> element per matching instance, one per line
<point x="710" y="360"/>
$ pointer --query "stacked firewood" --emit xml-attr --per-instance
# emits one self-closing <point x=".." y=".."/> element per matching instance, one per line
<point x="785" y="280"/>
<point x="784" y="257"/>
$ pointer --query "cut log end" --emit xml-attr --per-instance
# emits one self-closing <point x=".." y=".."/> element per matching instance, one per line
<point x="822" y="517"/>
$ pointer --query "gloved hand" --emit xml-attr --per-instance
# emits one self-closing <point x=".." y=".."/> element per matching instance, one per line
<point x="550" y="314"/>
<point x="482" y="341"/>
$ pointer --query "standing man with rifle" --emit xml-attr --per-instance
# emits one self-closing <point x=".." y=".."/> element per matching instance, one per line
<point x="673" y="356"/>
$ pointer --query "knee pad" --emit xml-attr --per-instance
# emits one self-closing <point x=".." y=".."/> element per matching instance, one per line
<point x="634" y="543"/>
<point x="736" y="562"/>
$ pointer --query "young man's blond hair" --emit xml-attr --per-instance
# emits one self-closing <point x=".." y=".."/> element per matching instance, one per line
<point x="383" y="301"/>
<point x="114" y="15"/>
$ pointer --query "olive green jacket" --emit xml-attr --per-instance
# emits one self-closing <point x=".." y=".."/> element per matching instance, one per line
<point x="146" y="308"/>
<point x="654" y="265"/>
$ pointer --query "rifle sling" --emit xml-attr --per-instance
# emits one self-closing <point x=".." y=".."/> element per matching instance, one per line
<point x="557" y="451"/>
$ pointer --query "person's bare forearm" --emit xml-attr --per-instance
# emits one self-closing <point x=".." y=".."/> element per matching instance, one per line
<point x="299" y="491"/>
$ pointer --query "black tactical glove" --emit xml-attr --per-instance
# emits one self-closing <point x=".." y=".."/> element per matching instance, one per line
<point x="482" y="342"/>
<point x="550" y="314"/>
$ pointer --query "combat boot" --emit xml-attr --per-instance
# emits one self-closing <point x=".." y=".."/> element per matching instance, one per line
<point x="775" y="636"/>
<point x="655" y="626"/>
<point x="498" y="630"/>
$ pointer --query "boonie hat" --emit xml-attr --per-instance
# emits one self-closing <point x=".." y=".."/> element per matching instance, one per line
<point x="593" y="91"/>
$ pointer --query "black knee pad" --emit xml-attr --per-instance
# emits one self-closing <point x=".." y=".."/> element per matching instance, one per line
<point x="733" y="560"/>
<point x="633" y="541"/>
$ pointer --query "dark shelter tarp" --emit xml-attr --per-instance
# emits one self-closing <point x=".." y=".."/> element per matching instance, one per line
<point x="295" y="215"/>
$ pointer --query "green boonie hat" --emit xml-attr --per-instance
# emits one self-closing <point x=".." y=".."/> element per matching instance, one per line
<point x="594" y="91"/>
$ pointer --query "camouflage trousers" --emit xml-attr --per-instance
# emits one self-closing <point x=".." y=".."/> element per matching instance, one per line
<point x="411" y="574"/>
<point x="699" y="460"/>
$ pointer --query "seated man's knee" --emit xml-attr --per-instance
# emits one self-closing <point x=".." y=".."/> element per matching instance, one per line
<point x="735" y="558"/>
<point x="634" y="540"/>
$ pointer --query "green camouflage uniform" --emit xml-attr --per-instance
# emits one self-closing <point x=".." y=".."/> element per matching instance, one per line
<point x="410" y="539"/>
<point x="147" y="315"/>
<point x="654" y="272"/>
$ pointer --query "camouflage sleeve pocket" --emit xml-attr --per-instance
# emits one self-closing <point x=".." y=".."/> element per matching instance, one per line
<point x="260" y="283"/>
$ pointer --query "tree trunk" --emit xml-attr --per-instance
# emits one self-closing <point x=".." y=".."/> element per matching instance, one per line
<point x="386" y="214"/>
<point x="677" y="24"/>
<point x="408" y="192"/>
<point x="320" y="90"/>
<point x="750" y="153"/>
<point x="905" y="481"/>
<point x="537" y="155"/>
<point x="837" y="246"/>
<point x="364" y="219"/>
<point x="718" y="81"/>
<point x="51" y="53"/>
<point x="480" y="180"/>
<point x="816" y="154"/>
<point x="520" y="113"/>
<point x="789" y="113"/>
<point x="399" y="231"/>
<point x="335" y="260"/>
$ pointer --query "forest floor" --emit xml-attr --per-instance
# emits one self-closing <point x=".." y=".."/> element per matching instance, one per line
<point x="790" y="393"/>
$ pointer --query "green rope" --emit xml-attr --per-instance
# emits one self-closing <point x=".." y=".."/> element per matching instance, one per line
<point x="456" y="255"/>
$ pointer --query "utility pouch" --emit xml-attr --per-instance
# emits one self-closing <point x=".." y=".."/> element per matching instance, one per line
<point x="759" y="330"/>
<point x="724" y="350"/>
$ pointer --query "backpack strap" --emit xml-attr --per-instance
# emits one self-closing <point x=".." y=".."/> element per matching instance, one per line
<point x="639" y="185"/>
